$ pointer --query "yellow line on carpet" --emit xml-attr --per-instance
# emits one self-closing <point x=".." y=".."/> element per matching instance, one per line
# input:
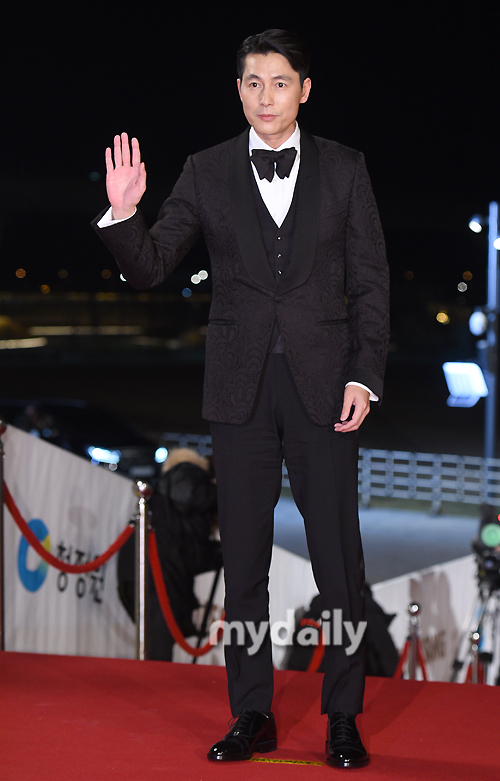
<point x="285" y="761"/>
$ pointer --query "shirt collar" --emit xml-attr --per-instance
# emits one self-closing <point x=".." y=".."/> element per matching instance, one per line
<point x="254" y="142"/>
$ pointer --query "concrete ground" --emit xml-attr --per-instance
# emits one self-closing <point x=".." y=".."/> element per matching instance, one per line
<point x="395" y="540"/>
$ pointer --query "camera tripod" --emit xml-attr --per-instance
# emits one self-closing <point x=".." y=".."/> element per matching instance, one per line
<point x="478" y="641"/>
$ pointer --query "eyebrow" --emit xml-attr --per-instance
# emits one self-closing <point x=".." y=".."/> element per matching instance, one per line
<point x="273" y="78"/>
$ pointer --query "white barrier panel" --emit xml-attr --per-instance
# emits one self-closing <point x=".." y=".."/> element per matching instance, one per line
<point x="78" y="510"/>
<point x="291" y="586"/>
<point x="445" y="593"/>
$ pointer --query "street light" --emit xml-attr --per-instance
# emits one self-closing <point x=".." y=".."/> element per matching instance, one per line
<point x="476" y="223"/>
<point x="488" y="347"/>
<point x="465" y="382"/>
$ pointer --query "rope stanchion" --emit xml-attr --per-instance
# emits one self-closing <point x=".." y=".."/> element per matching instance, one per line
<point x="319" y="650"/>
<point x="161" y="591"/>
<point x="143" y="492"/>
<point x="100" y="560"/>
<point x="412" y="651"/>
<point x="48" y="557"/>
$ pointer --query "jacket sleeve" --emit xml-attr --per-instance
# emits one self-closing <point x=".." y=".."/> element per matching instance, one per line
<point x="145" y="257"/>
<point x="366" y="285"/>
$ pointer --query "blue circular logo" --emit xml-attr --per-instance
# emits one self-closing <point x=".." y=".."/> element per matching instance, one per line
<point x="32" y="579"/>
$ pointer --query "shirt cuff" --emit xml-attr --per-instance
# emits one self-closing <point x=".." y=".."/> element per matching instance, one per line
<point x="107" y="219"/>
<point x="373" y="397"/>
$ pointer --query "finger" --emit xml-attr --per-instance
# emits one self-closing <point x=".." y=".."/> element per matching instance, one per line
<point x="125" y="150"/>
<point x="358" y="417"/>
<point x="350" y="401"/>
<point x="346" y="409"/>
<point x="142" y="175"/>
<point x="344" y="427"/>
<point x="360" y="409"/>
<point x="118" y="151"/>
<point x="136" y="153"/>
<point x="109" y="160"/>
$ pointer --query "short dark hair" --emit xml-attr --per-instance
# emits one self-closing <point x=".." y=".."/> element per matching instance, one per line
<point x="279" y="41"/>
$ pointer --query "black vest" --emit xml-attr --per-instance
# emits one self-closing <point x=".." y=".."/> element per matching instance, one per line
<point x="278" y="244"/>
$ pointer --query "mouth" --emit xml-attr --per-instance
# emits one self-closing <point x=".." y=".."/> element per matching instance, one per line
<point x="267" y="117"/>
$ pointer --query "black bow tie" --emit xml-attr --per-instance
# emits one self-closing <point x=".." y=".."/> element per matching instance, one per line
<point x="264" y="160"/>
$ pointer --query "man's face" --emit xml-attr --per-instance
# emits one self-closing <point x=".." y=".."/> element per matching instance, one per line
<point x="271" y="93"/>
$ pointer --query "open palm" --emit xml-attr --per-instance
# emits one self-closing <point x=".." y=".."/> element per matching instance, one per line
<point x="125" y="176"/>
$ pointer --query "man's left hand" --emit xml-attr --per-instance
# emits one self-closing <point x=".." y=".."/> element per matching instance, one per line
<point x="356" y="397"/>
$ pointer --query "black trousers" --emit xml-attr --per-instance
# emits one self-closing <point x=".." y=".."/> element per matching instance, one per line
<point x="322" y="467"/>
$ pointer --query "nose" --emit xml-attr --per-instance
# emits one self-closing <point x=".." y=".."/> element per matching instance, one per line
<point x="266" y="97"/>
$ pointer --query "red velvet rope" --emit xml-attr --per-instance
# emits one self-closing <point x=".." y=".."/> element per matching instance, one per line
<point x="97" y="562"/>
<point x="319" y="650"/>
<point x="48" y="557"/>
<point x="398" y="672"/>
<point x="154" y="560"/>
<point x="421" y="660"/>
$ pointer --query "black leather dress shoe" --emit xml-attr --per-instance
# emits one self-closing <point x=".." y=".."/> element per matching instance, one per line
<point x="343" y="744"/>
<point x="252" y="731"/>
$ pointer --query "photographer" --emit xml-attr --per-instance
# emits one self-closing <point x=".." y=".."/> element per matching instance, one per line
<point x="183" y="514"/>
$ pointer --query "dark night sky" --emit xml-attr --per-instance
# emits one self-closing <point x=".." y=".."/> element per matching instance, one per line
<point x="413" y="85"/>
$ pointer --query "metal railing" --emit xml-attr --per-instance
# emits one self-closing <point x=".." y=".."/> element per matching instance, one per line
<point x="431" y="477"/>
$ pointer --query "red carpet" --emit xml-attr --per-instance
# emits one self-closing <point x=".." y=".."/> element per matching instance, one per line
<point x="76" y="718"/>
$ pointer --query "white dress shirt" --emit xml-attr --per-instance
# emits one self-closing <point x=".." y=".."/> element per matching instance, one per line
<point x="277" y="194"/>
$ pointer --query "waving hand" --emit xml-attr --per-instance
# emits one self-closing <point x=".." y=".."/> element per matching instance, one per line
<point x="125" y="177"/>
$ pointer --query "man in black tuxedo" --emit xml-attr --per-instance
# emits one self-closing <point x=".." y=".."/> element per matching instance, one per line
<point x="296" y="349"/>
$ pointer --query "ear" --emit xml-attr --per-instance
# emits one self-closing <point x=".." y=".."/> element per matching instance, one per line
<point x="238" y="82"/>
<point x="306" y="88"/>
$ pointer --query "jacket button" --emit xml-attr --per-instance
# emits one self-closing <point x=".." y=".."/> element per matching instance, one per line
<point x="278" y="299"/>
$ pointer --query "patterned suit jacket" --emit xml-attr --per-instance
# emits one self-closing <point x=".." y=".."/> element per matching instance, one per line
<point x="332" y="303"/>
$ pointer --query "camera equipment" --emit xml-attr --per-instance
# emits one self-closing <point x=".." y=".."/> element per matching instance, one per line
<point x="480" y="631"/>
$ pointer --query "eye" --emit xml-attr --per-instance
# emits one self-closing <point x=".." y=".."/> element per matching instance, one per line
<point x="281" y="84"/>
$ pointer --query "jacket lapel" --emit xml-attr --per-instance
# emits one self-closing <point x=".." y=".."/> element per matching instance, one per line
<point x="305" y="234"/>
<point x="246" y="219"/>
